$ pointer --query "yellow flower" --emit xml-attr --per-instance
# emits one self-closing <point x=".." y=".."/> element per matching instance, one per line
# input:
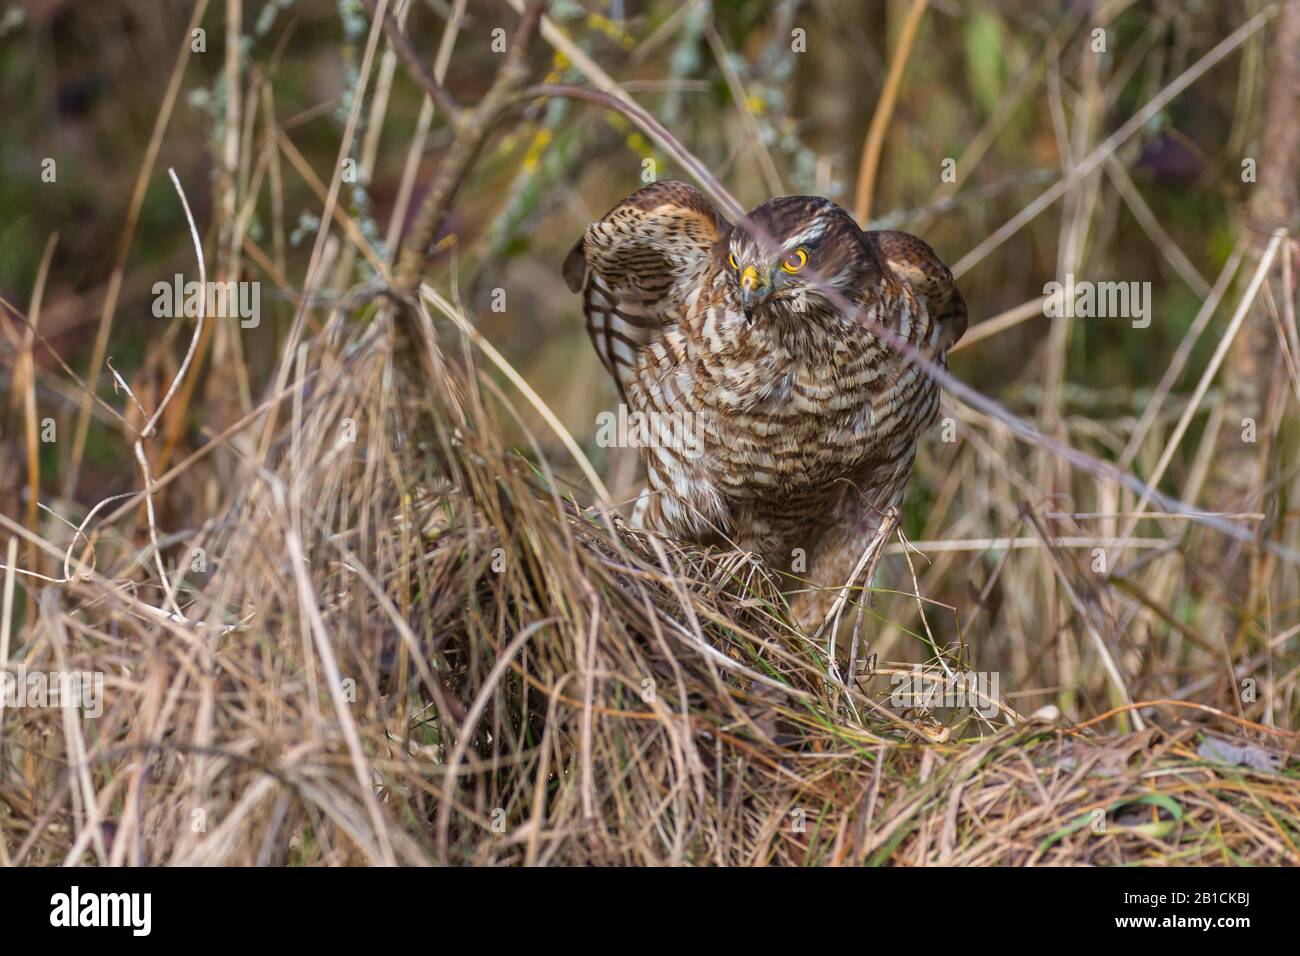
<point x="541" y="139"/>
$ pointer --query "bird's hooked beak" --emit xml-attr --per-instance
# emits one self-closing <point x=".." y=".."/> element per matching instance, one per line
<point x="753" y="290"/>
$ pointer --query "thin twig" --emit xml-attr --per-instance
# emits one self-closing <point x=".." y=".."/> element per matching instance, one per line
<point x="472" y="132"/>
<point x="402" y="47"/>
<point x="875" y="140"/>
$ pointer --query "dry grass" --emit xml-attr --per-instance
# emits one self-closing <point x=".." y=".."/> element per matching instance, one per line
<point x="416" y="648"/>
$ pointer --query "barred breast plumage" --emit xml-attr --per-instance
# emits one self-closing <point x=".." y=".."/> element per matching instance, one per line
<point x="780" y="423"/>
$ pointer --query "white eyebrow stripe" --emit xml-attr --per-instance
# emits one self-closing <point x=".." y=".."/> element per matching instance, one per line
<point x="813" y="232"/>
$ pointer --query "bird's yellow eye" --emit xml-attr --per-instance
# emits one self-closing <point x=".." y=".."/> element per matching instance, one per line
<point x="731" y="257"/>
<point x="795" y="261"/>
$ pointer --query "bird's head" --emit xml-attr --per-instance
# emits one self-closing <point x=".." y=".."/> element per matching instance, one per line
<point x="788" y="250"/>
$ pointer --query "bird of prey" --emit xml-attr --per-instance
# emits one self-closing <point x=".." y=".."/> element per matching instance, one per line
<point x="780" y="422"/>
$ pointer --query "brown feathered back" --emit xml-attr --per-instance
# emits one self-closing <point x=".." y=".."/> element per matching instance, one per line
<point x="914" y="260"/>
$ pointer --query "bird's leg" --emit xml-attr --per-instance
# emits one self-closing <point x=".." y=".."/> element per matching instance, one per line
<point x="877" y="545"/>
<point x="846" y="559"/>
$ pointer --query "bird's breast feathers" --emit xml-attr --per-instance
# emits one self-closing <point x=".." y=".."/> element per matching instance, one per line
<point x="774" y="414"/>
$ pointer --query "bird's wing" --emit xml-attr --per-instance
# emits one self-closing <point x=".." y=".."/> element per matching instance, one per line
<point x="914" y="261"/>
<point x="637" y="266"/>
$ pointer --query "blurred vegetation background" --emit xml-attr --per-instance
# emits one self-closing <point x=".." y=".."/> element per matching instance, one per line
<point x="82" y="84"/>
